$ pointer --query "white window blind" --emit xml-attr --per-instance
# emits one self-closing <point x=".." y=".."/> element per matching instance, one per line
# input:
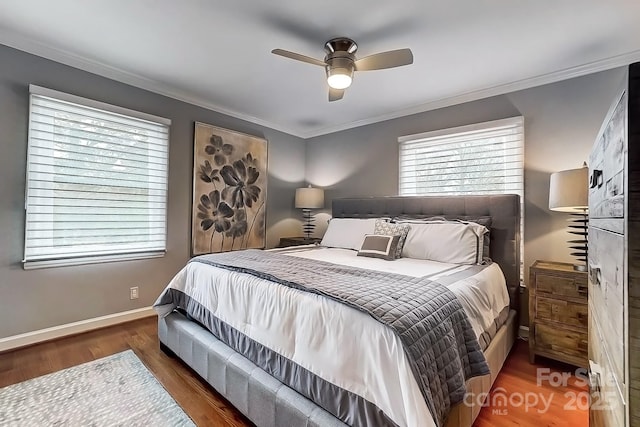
<point x="96" y="181"/>
<point x="486" y="158"/>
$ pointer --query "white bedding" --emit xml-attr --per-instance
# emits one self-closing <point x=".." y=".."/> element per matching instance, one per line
<point x="338" y="343"/>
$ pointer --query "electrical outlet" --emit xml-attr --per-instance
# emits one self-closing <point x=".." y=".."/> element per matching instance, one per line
<point x="133" y="293"/>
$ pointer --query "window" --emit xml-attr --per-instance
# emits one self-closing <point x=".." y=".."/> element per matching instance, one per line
<point x="485" y="158"/>
<point x="96" y="182"/>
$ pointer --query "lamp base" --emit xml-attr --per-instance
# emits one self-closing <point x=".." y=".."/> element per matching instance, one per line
<point x="308" y="225"/>
<point x="579" y="226"/>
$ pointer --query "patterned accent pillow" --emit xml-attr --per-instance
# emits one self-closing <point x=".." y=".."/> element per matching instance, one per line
<point x="379" y="246"/>
<point x="391" y="229"/>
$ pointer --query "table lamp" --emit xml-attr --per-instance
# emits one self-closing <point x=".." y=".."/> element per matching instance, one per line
<point x="306" y="199"/>
<point x="569" y="192"/>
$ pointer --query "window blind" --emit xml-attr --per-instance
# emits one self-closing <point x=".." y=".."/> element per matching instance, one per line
<point x="96" y="180"/>
<point x="487" y="158"/>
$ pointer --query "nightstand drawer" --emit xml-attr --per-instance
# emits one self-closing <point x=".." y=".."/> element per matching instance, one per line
<point x="560" y="285"/>
<point x="555" y="341"/>
<point x="562" y="311"/>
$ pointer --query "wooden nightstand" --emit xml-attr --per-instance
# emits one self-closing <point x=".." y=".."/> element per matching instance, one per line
<point x="558" y="313"/>
<point x="297" y="241"/>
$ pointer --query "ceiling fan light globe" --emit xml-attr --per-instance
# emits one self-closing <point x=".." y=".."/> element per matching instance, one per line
<point x="339" y="81"/>
<point x="339" y="70"/>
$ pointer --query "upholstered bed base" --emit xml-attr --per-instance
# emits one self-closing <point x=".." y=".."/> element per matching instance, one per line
<point x="269" y="403"/>
<point x="263" y="399"/>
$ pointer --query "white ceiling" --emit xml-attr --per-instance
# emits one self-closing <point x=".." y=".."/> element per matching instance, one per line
<point x="216" y="53"/>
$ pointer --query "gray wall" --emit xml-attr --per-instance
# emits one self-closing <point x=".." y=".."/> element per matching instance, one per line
<point x="561" y="123"/>
<point x="36" y="299"/>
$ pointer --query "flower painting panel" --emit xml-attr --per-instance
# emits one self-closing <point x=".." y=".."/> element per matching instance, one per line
<point x="229" y="190"/>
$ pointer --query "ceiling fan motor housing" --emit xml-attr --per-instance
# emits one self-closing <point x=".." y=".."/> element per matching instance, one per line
<point x="340" y="58"/>
<point x="340" y="44"/>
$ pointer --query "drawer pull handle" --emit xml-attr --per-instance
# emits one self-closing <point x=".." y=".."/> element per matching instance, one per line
<point x="595" y="274"/>
<point x="594" y="377"/>
<point x="596" y="179"/>
<point x="594" y="382"/>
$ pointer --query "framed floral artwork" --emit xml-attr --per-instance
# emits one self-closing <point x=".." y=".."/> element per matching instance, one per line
<point x="229" y="190"/>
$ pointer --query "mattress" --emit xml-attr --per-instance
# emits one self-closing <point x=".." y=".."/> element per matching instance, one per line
<point x="345" y="347"/>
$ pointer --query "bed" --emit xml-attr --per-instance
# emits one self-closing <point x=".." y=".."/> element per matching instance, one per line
<point x="268" y="402"/>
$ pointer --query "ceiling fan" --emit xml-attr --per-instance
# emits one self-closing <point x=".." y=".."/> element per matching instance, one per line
<point x="340" y="62"/>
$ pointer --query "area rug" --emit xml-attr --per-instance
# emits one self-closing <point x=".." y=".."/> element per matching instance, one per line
<point x="113" y="391"/>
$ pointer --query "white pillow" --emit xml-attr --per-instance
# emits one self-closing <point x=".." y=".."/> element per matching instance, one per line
<point x="348" y="233"/>
<point x="450" y="242"/>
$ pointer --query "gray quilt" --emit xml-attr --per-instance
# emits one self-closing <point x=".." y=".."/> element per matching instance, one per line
<point x="437" y="336"/>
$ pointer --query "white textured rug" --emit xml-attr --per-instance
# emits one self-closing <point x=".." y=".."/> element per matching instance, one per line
<point x="113" y="391"/>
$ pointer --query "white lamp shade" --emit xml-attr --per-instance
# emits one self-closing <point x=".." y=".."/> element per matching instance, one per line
<point x="309" y="198"/>
<point x="569" y="190"/>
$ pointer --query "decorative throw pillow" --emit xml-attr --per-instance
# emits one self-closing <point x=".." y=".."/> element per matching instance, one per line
<point x="379" y="246"/>
<point x="391" y="229"/>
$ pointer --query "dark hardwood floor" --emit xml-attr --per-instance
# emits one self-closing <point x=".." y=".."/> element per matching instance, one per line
<point x="207" y="408"/>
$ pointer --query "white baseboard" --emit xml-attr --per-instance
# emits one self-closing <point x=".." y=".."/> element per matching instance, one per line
<point x="523" y="332"/>
<point x="34" y="337"/>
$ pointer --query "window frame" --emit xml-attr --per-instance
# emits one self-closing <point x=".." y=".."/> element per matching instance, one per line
<point x="87" y="257"/>
<point x="482" y="126"/>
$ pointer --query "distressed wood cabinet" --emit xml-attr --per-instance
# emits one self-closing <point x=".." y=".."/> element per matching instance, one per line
<point x="614" y="262"/>
<point x="558" y="312"/>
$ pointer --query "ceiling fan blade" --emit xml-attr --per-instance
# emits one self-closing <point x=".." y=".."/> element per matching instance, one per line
<point x="382" y="60"/>
<point x="335" y="94"/>
<point x="298" y="57"/>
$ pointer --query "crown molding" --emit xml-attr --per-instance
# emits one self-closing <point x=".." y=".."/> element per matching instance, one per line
<point x="543" y="79"/>
<point x="114" y="73"/>
<point x="58" y="55"/>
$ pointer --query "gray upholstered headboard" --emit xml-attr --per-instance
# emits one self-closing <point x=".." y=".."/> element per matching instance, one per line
<point x="503" y="209"/>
